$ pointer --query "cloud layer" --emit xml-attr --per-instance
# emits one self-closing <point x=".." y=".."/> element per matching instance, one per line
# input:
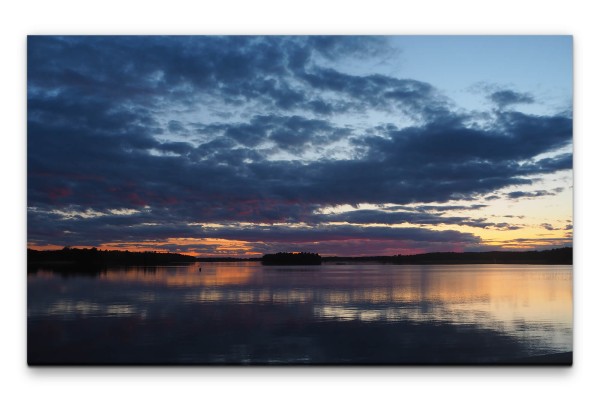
<point x="189" y="132"/>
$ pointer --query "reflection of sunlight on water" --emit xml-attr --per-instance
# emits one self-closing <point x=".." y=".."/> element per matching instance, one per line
<point x="188" y="276"/>
<point x="526" y="302"/>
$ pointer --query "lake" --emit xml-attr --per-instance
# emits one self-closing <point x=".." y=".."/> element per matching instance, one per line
<point x="245" y="313"/>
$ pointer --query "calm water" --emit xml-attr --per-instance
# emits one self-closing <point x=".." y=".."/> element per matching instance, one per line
<point x="246" y="313"/>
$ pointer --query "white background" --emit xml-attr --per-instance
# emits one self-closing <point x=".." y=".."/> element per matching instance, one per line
<point x="18" y="19"/>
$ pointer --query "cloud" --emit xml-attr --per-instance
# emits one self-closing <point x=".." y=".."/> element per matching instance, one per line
<point x="423" y="215"/>
<point x="414" y="217"/>
<point x="416" y="99"/>
<point x="289" y="133"/>
<point x="259" y="130"/>
<point x="504" y="98"/>
<point x="548" y="226"/>
<point x="143" y="225"/>
<point x="528" y="194"/>
<point x="507" y="226"/>
<point x="444" y="208"/>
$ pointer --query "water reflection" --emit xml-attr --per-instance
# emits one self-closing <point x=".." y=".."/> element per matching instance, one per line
<point x="244" y="313"/>
<point x="186" y="276"/>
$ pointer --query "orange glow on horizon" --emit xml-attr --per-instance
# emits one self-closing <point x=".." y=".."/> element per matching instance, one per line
<point x="220" y="247"/>
<point x="243" y="249"/>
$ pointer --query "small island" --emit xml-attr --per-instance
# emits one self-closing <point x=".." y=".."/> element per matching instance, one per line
<point x="291" y="259"/>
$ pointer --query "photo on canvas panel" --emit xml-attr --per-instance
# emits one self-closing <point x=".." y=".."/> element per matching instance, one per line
<point x="292" y="200"/>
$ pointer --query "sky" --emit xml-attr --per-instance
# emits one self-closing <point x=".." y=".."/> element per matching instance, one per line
<point x="341" y="145"/>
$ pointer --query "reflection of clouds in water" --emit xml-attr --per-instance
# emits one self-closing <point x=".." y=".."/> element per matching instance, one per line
<point x="431" y="305"/>
<point x="416" y="314"/>
<point x="70" y="309"/>
<point x="120" y="310"/>
<point x="554" y="335"/>
<point x="536" y="317"/>
<point x="349" y="313"/>
<point x="250" y="296"/>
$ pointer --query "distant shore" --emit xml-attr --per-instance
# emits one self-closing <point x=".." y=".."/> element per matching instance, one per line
<point x="94" y="259"/>
<point x="559" y="256"/>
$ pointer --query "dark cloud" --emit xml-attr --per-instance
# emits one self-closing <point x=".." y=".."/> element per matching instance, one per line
<point x="416" y="216"/>
<point x="341" y="232"/>
<point x="504" y="98"/>
<point x="507" y="226"/>
<point x="120" y="123"/>
<point x="184" y="70"/>
<point x="176" y="126"/>
<point x="290" y="133"/>
<point x="444" y="208"/>
<point x="247" y="134"/>
<point x="528" y="194"/>
<point x="416" y="99"/>
<point x="333" y="47"/>
<point x="149" y="226"/>
<point x="514" y="137"/>
<point x="381" y="217"/>
<point x="547" y="226"/>
<point x="561" y="162"/>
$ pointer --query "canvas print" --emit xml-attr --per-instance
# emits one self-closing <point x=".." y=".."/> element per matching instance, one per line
<point x="292" y="200"/>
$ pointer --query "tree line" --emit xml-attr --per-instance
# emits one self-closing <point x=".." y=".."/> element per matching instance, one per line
<point x="92" y="258"/>
<point x="557" y="256"/>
